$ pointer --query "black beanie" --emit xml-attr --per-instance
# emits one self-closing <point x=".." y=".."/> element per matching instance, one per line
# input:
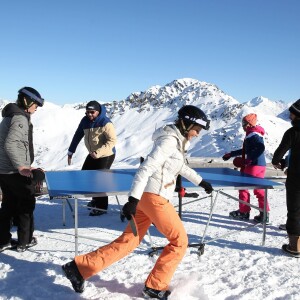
<point x="295" y="108"/>
<point x="93" y="105"/>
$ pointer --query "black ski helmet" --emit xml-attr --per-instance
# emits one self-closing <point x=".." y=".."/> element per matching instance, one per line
<point x="192" y="115"/>
<point x="31" y="96"/>
<point x="295" y="108"/>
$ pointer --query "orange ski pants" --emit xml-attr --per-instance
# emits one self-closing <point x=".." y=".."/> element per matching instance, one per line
<point x="150" y="209"/>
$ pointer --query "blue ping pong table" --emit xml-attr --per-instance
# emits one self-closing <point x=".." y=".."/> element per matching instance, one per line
<point x="91" y="183"/>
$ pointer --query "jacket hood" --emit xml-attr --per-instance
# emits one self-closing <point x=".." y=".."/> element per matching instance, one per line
<point x="103" y="112"/>
<point x="171" y="130"/>
<point x="101" y="116"/>
<point x="12" y="109"/>
<point x="296" y="124"/>
<point x="256" y="128"/>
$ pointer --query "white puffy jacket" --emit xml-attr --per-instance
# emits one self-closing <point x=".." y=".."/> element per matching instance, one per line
<point x="158" y="173"/>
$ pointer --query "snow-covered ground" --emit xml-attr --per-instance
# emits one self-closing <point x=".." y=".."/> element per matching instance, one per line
<point x="233" y="267"/>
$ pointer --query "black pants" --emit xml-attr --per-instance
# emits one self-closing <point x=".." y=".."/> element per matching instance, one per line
<point x="293" y="205"/>
<point x="18" y="204"/>
<point x="99" y="164"/>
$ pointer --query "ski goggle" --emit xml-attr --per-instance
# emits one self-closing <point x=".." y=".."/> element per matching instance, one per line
<point x="205" y="124"/>
<point x="202" y="123"/>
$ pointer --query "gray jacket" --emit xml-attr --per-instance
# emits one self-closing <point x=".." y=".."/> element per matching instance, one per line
<point x="16" y="146"/>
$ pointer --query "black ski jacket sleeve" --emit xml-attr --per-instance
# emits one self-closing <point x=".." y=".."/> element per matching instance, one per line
<point x="290" y="141"/>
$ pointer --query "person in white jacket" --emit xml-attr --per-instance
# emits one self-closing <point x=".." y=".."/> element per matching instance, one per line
<point x="152" y="189"/>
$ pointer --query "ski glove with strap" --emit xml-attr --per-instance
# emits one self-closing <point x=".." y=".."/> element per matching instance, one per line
<point x="226" y="156"/>
<point x="130" y="207"/>
<point x="247" y="162"/>
<point x="207" y="186"/>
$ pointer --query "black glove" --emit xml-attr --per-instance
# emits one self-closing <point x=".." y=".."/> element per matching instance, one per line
<point x="226" y="156"/>
<point x="130" y="207"/>
<point x="191" y="195"/>
<point x="282" y="164"/>
<point x="207" y="186"/>
<point x="38" y="174"/>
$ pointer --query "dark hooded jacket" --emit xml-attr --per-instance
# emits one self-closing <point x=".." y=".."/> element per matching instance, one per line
<point x="99" y="135"/>
<point x="16" y="143"/>
<point x="253" y="146"/>
<point x="290" y="141"/>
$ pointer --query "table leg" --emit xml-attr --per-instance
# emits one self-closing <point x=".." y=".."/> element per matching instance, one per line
<point x="210" y="215"/>
<point x="265" y="218"/>
<point x="64" y="212"/>
<point x="76" y="226"/>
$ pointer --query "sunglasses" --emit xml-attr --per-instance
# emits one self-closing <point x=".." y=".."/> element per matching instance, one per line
<point x="90" y="112"/>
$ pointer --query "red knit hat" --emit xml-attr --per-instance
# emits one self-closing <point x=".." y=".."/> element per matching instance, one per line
<point x="250" y="119"/>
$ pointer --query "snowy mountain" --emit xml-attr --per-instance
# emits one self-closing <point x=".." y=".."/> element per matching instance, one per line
<point x="234" y="265"/>
<point x="136" y="117"/>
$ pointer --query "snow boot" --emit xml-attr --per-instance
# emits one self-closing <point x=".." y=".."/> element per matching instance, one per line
<point x="282" y="227"/>
<point x="149" y="293"/>
<point x="91" y="204"/>
<point x="32" y="243"/>
<point x="20" y="248"/>
<point x="10" y="245"/>
<point x="72" y="273"/>
<point x="293" y="248"/>
<point x="96" y="212"/>
<point x="259" y="218"/>
<point x="23" y="248"/>
<point x="236" y="214"/>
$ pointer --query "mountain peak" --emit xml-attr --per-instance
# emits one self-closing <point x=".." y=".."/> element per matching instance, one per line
<point x="136" y="118"/>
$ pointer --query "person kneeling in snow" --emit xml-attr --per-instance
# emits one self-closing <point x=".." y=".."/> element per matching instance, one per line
<point x="149" y="202"/>
<point x="252" y="162"/>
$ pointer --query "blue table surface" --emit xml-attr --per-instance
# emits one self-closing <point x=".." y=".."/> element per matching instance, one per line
<point x="118" y="181"/>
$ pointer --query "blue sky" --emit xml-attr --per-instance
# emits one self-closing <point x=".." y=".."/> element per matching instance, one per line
<point x="75" y="51"/>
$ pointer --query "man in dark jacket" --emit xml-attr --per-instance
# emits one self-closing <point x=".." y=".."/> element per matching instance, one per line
<point x="17" y="180"/>
<point x="100" y="140"/>
<point x="291" y="142"/>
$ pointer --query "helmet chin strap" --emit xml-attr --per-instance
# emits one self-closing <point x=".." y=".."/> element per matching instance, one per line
<point x="190" y="127"/>
<point x="184" y="129"/>
<point x="27" y="106"/>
